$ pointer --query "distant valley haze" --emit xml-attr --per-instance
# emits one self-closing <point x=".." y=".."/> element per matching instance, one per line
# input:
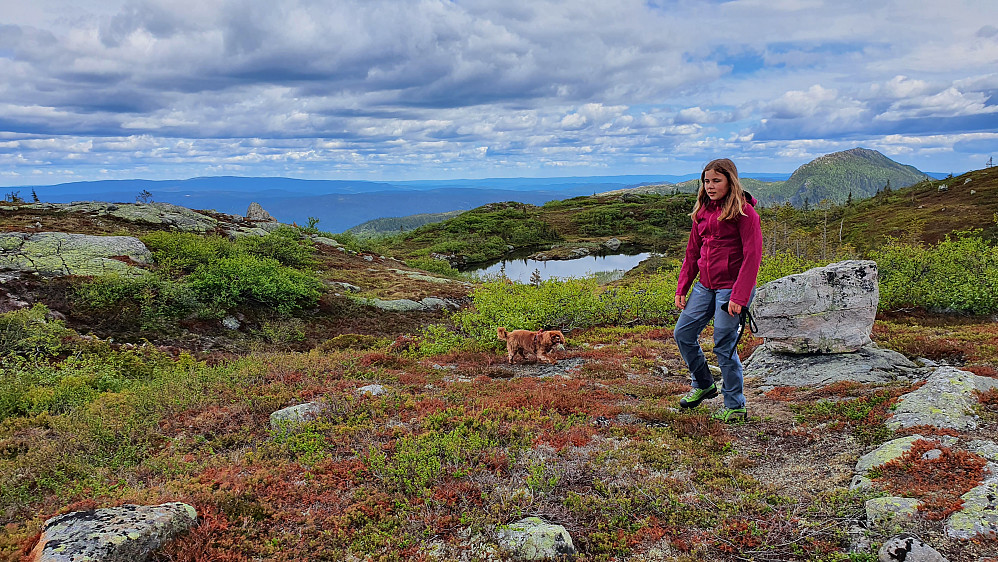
<point x="342" y="204"/>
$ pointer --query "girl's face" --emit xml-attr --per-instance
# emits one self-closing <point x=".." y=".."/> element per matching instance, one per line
<point x="716" y="185"/>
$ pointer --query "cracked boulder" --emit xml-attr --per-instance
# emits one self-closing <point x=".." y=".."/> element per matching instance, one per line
<point x="53" y="254"/>
<point x="130" y="533"/>
<point x="827" y="309"/>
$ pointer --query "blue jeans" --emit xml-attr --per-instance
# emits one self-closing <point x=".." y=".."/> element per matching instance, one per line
<point x="702" y="305"/>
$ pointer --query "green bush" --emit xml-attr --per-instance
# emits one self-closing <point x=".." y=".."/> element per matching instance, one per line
<point x="959" y="274"/>
<point x="149" y="301"/>
<point x="29" y="331"/>
<point x="245" y="279"/>
<point x="781" y="264"/>
<point x="179" y="253"/>
<point x="432" y="265"/>
<point x="287" y="245"/>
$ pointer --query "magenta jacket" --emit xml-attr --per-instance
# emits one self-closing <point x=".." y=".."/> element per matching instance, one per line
<point x="726" y="254"/>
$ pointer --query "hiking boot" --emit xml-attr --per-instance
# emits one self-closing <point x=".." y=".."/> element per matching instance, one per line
<point x="694" y="397"/>
<point x="730" y="415"/>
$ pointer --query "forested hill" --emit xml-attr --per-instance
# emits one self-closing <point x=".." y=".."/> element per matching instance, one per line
<point x="858" y="171"/>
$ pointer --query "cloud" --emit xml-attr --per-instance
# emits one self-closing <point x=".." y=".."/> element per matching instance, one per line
<point x="362" y="86"/>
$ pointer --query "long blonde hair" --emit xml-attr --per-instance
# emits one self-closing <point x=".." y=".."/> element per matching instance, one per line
<point x="734" y="202"/>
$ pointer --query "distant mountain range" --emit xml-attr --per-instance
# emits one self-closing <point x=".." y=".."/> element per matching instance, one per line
<point x="337" y="204"/>
<point x="342" y="204"/>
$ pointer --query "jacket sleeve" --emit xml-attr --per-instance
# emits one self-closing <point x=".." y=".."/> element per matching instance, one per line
<point x="750" y="230"/>
<point x="688" y="273"/>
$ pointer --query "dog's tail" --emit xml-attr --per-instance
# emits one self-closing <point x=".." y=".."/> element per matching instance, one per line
<point x="501" y="332"/>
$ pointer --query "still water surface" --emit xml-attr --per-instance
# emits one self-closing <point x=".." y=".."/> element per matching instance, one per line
<point x="613" y="266"/>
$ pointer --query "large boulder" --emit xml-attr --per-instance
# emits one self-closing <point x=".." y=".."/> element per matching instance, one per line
<point x="946" y="400"/>
<point x="129" y="533"/>
<point x="58" y="253"/>
<point x="827" y="309"/>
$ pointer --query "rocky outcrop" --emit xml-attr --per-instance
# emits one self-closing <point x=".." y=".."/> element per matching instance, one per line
<point x="257" y="213"/>
<point x="867" y="365"/>
<point x="532" y="538"/>
<point x="947" y="400"/>
<point x="173" y="216"/>
<point x="408" y="305"/>
<point x="823" y="310"/>
<point x="59" y="253"/>
<point x="129" y="533"/>
<point x="978" y="517"/>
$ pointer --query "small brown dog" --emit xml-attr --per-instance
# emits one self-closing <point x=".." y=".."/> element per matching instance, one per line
<point x="538" y="344"/>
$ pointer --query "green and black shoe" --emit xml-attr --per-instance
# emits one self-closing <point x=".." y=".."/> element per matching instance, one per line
<point x="694" y="397"/>
<point x="730" y="415"/>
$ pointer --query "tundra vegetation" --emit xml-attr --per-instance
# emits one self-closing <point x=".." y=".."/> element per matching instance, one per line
<point x="139" y="396"/>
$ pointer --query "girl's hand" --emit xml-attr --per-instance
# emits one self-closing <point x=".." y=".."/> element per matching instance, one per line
<point x="734" y="309"/>
<point x="680" y="301"/>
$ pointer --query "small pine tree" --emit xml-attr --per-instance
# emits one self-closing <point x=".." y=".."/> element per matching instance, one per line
<point x="849" y="199"/>
<point x="143" y="197"/>
<point x="535" y="278"/>
<point x="34" y="196"/>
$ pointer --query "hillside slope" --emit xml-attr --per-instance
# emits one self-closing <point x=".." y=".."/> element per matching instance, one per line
<point x="859" y="171"/>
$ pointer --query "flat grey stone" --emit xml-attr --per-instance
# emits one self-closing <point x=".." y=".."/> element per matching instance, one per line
<point x="129" y="533"/>
<point x="869" y="364"/>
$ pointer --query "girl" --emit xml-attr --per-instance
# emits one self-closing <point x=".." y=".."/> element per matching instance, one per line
<point x="725" y="249"/>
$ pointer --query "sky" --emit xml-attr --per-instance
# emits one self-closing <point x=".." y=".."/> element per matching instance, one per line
<point x="437" y="89"/>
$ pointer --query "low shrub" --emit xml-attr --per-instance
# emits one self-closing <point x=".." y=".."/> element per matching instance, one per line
<point x="29" y="331"/>
<point x="959" y="274"/>
<point x="432" y="265"/>
<point x="245" y="279"/>
<point x="287" y="245"/>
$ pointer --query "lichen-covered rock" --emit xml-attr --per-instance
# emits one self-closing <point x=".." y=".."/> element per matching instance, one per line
<point x="869" y="364"/>
<point x="946" y="400"/>
<point x="58" y="253"/>
<point x="984" y="448"/>
<point x="979" y="514"/>
<point x="908" y="548"/>
<point x="886" y="452"/>
<point x="823" y="310"/>
<point x="397" y="305"/>
<point x="174" y="216"/>
<point x="295" y="414"/>
<point x="888" y="512"/>
<point x="129" y="533"/>
<point x="532" y="538"/>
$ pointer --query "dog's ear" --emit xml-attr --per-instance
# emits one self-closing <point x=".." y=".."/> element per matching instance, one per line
<point x="501" y="332"/>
